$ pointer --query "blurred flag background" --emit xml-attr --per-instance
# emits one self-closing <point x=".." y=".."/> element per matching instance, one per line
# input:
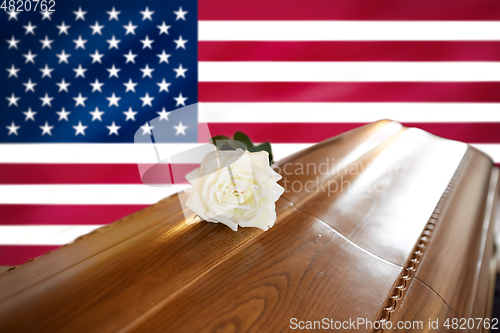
<point x="79" y="82"/>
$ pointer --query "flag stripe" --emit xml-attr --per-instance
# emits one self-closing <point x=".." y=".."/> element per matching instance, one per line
<point x="43" y="235"/>
<point x="11" y="255"/>
<point x="349" y="51"/>
<point x="348" y="71"/>
<point x="100" y="174"/>
<point x="347" y="31"/>
<point x="65" y="214"/>
<point x="113" y="154"/>
<point x="316" y="132"/>
<point x="348" y="10"/>
<point x="347" y="112"/>
<point x="86" y="194"/>
<point x="487" y="92"/>
<point x="25" y="173"/>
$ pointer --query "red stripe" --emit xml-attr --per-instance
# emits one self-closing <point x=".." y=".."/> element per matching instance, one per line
<point x="349" y="91"/>
<point x="65" y="214"/>
<point x="11" y="255"/>
<point x="316" y="132"/>
<point x="349" y="51"/>
<point x="16" y="173"/>
<point x="349" y="10"/>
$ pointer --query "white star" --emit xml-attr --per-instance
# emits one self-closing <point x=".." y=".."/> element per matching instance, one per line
<point x="113" y="100"/>
<point x="130" y="57"/>
<point x="163" y="28"/>
<point x="163" y="57"/>
<point x="163" y="114"/>
<point x="113" y="129"/>
<point x="180" y="100"/>
<point x="63" y="114"/>
<point x="130" y="85"/>
<point x="30" y="29"/>
<point x="180" y="71"/>
<point x="130" y="114"/>
<point x="46" y="129"/>
<point x="113" y="42"/>
<point x="63" y="85"/>
<point x="63" y="57"/>
<point x="180" y="42"/>
<point x="147" y="42"/>
<point x="46" y="15"/>
<point x="80" y="71"/>
<point x="113" y="14"/>
<point x="80" y="129"/>
<point x="146" y="71"/>
<point x="146" y="128"/>
<point x="46" y="100"/>
<point x="12" y="15"/>
<point x="80" y="14"/>
<point x="180" y="14"/>
<point x="13" y="42"/>
<point x="96" y="85"/>
<point x="30" y="57"/>
<point x="80" y="100"/>
<point x="63" y="28"/>
<point x="146" y="100"/>
<point x="163" y="85"/>
<point x="146" y="14"/>
<point x="96" y="28"/>
<point x="180" y="129"/>
<point x="46" y="71"/>
<point x="79" y="42"/>
<point x="13" y="128"/>
<point x="46" y="42"/>
<point x="130" y="28"/>
<point x="29" y="115"/>
<point x="96" y="114"/>
<point x="96" y="57"/>
<point x="13" y="71"/>
<point x="13" y="99"/>
<point x="30" y="86"/>
<point x="113" y="71"/>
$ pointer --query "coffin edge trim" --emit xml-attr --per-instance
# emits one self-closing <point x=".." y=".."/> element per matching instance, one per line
<point x="409" y="271"/>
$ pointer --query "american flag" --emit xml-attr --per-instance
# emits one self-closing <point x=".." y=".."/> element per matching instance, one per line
<point x="290" y="72"/>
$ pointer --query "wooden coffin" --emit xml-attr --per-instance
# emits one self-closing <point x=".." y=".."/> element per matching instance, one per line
<point x="408" y="237"/>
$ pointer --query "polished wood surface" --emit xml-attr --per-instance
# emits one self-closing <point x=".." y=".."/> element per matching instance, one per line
<point x="420" y="309"/>
<point x="465" y="234"/>
<point x="419" y="248"/>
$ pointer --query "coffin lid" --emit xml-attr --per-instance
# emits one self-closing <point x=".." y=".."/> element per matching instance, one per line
<point x="387" y="218"/>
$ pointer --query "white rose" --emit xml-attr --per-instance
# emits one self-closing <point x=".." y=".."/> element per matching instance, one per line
<point x="235" y="187"/>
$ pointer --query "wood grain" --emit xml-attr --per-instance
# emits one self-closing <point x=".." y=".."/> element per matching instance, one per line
<point x="459" y="234"/>
<point x="308" y="273"/>
<point x="338" y="255"/>
<point x="394" y="190"/>
<point x="420" y="309"/>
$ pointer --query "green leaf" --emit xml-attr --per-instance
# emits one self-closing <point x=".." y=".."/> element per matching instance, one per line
<point x="222" y="142"/>
<point x="239" y="136"/>
<point x="218" y="137"/>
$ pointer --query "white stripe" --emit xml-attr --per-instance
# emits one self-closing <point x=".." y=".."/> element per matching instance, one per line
<point x="491" y="150"/>
<point x="347" y="112"/>
<point x="120" y="194"/>
<point x="110" y="153"/>
<point x="347" y="71"/>
<point x="85" y="194"/>
<point x="87" y="153"/>
<point x="43" y="235"/>
<point x="347" y="30"/>
<point x="102" y="153"/>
